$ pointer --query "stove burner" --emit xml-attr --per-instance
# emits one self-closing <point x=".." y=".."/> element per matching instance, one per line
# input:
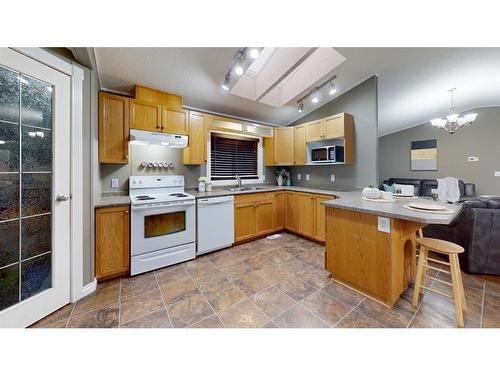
<point x="178" y="195"/>
<point x="144" y="198"/>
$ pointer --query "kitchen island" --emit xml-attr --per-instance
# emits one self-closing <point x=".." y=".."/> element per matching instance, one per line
<point x="370" y="246"/>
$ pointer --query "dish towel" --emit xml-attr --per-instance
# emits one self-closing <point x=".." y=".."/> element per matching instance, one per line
<point x="448" y="190"/>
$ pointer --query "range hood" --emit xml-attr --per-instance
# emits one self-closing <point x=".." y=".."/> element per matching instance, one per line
<point x="142" y="137"/>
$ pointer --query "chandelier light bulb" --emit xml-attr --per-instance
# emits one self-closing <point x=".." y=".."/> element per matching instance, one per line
<point x="470" y="117"/>
<point x="453" y="117"/>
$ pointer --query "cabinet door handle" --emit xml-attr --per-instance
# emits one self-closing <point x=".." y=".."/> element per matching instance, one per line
<point x="157" y="126"/>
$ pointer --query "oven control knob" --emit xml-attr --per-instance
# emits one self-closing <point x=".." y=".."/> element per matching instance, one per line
<point x="171" y="165"/>
<point x="150" y="165"/>
<point x="144" y="164"/>
<point x="155" y="165"/>
<point x="160" y="165"/>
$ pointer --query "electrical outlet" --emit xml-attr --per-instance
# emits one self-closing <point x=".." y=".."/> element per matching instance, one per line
<point x="384" y="224"/>
<point x="307" y="177"/>
<point x="497" y="173"/>
<point x="332" y="178"/>
<point x="472" y="158"/>
<point x="115" y="183"/>
<point x="299" y="177"/>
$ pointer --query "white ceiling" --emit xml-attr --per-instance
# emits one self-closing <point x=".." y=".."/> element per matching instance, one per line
<point x="413" y="82"/>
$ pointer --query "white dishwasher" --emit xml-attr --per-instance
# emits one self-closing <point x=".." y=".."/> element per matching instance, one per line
<point x="215" y="219"/>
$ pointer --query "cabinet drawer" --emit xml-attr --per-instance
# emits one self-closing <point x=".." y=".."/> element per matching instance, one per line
<point x="253" y="197"/>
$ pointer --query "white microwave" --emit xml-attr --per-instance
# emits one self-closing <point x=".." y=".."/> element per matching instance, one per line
<point x="327" y="154"/>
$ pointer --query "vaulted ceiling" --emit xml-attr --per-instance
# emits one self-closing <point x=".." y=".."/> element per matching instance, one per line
<point x="413" y="82"/>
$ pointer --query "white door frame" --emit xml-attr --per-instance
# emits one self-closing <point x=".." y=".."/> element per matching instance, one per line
<point x="78" y="290"/>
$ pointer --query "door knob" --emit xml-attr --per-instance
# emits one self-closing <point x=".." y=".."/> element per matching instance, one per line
<point x="62" y="197"/>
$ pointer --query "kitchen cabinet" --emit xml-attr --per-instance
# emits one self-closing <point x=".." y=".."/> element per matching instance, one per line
<point x="253" y="215"/>
<point x="264" y="217"/>
<point x="283" y="146"/>
<point x="319" y="216"/>
<point x="315" y="130"/>
<point x="195" y="153"/>
<point x="299" y="145"/>
<point x="331" y="127"/>
<point x="305" y="214"/>
<point x="244" y="221"/>
<point x="112" y="242"/>
<point x="291" y="221"/>
<point x="279" y="210"/>
<point x="269" y="152"/>
<point x="174" y="121"/>
<point x="145" y="116"/>
<point x="113" y="128"/>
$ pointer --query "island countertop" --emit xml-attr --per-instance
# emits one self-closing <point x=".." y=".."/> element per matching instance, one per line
<point x="352" y="201"/>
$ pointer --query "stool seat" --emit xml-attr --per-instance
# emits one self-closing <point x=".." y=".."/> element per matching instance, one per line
<point x="440" y="246"/>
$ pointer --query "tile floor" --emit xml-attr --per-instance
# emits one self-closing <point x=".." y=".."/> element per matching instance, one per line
<point x="265" y="283"/>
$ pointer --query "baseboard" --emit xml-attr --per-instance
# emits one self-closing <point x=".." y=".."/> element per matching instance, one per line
<point x="89" y="288"/>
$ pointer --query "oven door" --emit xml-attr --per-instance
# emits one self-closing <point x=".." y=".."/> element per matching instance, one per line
<point x="157" y="227"/>
<point x="319" y="155"/>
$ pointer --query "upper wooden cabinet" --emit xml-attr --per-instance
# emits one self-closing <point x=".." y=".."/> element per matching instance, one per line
<point x="195" y="153"/>
<point x="112" y="242"/>
<point x="315" y="130"/>
<point x="299" y="145"/>
<point x="145" y="115"/>
<point x="174" y="121"/>
<point x="113" y="128"/>
<point x="331" y="127"/>
<point x="283" y="146"/>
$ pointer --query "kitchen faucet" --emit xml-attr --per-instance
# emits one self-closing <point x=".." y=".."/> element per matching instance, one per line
<point x="238" y="180"/>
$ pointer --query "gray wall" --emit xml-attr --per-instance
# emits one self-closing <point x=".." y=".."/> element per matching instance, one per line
<point x="361" y="102"/>
<point x="481" y="140"/>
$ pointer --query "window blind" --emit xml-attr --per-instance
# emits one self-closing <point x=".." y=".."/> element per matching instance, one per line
<point x="230" y="157"/>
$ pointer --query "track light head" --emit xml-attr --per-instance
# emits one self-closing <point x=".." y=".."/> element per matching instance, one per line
<point x="227" y="81"/>
<point x="300" y="106"/>
<point x="331" y="88"/>
<point x="315" y="96"/>
<point x="254" y="53"/>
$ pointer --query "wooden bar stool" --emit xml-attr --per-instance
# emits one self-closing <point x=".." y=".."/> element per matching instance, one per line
<point x="451" y="250"/>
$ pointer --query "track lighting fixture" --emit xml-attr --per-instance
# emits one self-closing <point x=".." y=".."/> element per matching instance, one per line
<point x="227" y="81"/>
<point x="315" y="96"/>
<point x="242" y="59"/>
<point x="300" y="106"/>
<point x="254" y="53"/>
<point x="315" y="93"/>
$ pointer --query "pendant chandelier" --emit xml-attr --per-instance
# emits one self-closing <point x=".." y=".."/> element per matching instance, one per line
<point x="453" y="121"/>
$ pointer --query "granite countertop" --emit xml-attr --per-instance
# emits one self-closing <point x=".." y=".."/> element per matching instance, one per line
<point x="108" y="200"/>
<point x="352" y="201"/>
<point x="220" y="192"/>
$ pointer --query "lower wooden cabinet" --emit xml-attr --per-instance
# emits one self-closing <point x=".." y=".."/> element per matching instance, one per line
<point x="279" y="210"/>
<point x="291" y="221"/>
<point x="305" y="215"/>
<point x="244" y="221"/>
<point x="259" y="214"/>
<point x="253" y="215"/>
<point x="112" y="242"/>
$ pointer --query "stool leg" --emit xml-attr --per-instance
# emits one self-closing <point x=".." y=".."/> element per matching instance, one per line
<point x="418" y="278"/>
<point x="457" y="289"/>
<point x="459" y="274"/>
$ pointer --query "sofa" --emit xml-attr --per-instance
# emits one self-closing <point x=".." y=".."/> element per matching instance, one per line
<point x="476" y="229"/>
<point x="423" y="187"/>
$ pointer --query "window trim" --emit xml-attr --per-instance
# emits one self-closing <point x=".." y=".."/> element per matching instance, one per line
<point x="260" y="160"/>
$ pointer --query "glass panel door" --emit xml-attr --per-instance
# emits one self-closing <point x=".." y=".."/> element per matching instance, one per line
<point x="164" y="224"/>
<point x="25" y="187"/>
<point x="35" y="152"/>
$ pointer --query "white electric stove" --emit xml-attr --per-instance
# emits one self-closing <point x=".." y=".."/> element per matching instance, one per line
<point x="163" y="222"/>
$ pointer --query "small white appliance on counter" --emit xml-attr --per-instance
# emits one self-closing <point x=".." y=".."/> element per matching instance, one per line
<point x="163" y="222"/>
<point x="215" y="223"/>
